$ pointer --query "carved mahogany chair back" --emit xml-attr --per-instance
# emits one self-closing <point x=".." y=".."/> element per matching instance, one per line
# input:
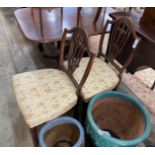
<point x="78" y="46"/>
<point x="121" y="31"/>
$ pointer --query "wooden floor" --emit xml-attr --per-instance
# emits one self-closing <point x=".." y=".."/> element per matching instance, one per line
<point x="16" y="55"/>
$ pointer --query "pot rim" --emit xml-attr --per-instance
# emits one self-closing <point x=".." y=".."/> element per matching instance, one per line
<point x="58" y="121"/>
<point x="135" y="102"/>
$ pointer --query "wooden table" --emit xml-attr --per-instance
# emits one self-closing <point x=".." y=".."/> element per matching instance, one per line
<point x="53" y="23"/>
<point x="145" y="55"/>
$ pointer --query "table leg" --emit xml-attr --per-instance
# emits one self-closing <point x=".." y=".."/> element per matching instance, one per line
<point x="78" y="15"/>
<point x="41" y="22"/>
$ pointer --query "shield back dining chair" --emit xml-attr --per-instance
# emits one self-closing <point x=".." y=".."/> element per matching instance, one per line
<point x="45" y="94"/>
<point x="122" y="36"/>
<point x="105" y="73"/>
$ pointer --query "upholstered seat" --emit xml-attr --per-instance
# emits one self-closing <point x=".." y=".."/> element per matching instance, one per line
<point x="101" y="77"/>
<point x="43" y="95"/>
<point x="94" y="43"/>
<point x="146" y="76"/>
<point x="140" y="90"/>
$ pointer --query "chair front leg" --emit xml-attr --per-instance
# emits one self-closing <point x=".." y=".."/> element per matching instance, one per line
<point x="34" y="135"/>
<point x="80" y="110"/>
<point x="84" y="112"/>
<point x="76" y="109"/>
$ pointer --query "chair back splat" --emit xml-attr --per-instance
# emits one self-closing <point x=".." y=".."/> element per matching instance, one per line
<point x="122" y="32"/>
<point x="78" y="46"/>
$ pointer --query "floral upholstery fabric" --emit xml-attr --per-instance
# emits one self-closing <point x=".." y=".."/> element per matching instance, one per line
<point x="101" y="77"/>
<point x="94" y="43"/>
<point x="141" y="91"/>
<point x="147" y="76"/>
<point x="43" y="95"/>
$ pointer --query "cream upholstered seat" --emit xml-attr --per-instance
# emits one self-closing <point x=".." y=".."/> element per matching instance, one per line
<point x="43" y="95"/>
<point x="140" y="90"/>
<point x="101" y="77"/>
<point x="94" y="43"/>
<point x="146" y="76"/>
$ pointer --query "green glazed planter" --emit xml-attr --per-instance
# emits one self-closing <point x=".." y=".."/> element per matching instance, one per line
<point x="117" y="119"/>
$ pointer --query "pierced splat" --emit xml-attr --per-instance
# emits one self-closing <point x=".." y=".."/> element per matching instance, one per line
<point x="122" y="30"/>
<point x="78" y="45"/>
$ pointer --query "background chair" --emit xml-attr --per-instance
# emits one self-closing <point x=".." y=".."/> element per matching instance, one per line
<point x="122" y="35"/>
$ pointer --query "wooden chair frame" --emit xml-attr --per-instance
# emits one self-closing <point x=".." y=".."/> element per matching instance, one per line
<point x="78" y="45"/>
<point x="121" y="30"/>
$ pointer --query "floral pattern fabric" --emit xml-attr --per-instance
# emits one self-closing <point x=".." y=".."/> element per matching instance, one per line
<point x="94" y="43"/>
<point x="142" y="92"/>
<point x="147" y="76"/>
<point x="101" y="77"/>
<point x="43" y="95"/>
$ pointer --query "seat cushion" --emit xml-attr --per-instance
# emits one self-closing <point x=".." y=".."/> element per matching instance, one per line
<point x="94" y="43"/>
<point x="43" y="95"/>
<point x="140" y="90"/>
<point x="146" y="76"/>
<point x="101" y="77"/>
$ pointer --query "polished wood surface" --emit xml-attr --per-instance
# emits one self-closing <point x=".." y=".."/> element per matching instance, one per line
<point x="145" y="52"/>
<point x="39" y="9"/>
<point x="53" y="26"/>
<point x="148" y="12"/>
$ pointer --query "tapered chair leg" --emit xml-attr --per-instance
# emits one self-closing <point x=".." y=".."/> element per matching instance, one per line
<point x="84" y="112"/>
<point x="34" y="136"/>
<point x="76" y="110"/>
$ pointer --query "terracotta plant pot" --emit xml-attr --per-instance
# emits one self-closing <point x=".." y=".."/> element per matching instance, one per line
<point x="62" y="132"/>
<point x="116" y="119"/>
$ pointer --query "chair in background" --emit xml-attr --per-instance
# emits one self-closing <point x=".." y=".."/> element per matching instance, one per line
<point x="122" y="36"/>
<point x="94" y="43"/>
<point x="45" y="94"/>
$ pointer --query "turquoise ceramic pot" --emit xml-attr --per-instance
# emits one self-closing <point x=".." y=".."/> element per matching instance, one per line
<point x="101" y="138"/>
